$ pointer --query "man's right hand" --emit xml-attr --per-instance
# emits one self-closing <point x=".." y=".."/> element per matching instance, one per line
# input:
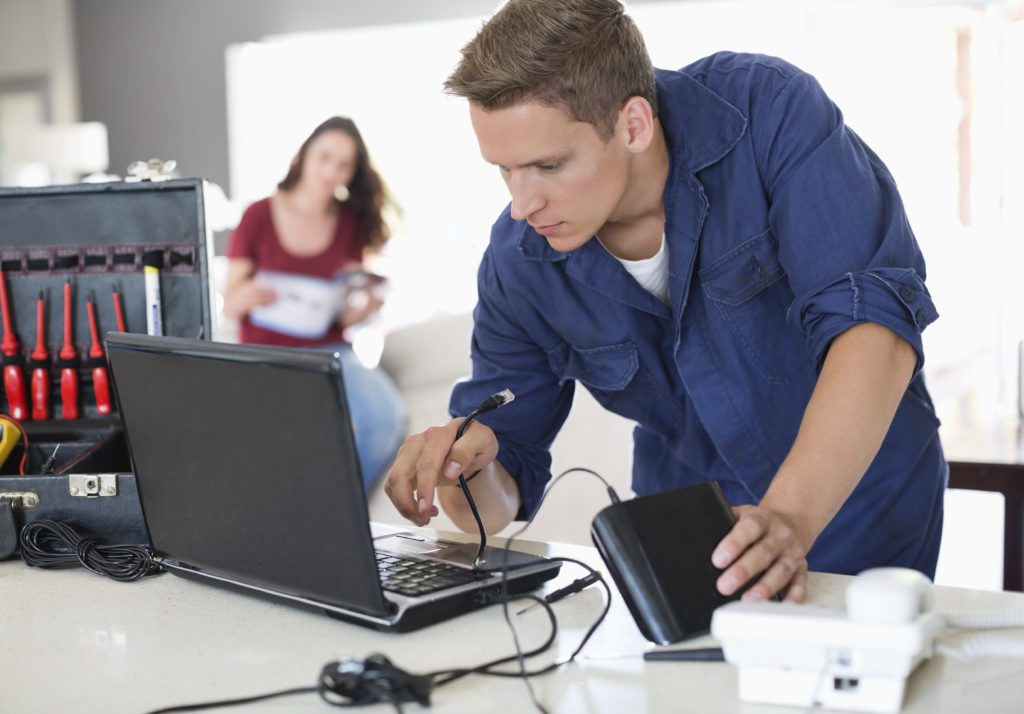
<point x="433" y="459"/>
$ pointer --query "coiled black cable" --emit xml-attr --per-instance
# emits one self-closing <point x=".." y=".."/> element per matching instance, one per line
<point x="53" y="545"/>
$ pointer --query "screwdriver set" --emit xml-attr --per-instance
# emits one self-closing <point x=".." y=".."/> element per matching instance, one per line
<point x="77" y="262"/>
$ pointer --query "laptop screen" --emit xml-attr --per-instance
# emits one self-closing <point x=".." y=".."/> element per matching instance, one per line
<point x="246" y="465"/>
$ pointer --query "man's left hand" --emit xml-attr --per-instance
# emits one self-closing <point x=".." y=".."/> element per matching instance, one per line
<point x="762" y="547"/>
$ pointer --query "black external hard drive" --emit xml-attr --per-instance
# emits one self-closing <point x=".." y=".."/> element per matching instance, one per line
<point x="658" y="550"/>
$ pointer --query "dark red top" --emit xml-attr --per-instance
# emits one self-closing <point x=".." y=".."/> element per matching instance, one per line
<point x="256" y="239"/>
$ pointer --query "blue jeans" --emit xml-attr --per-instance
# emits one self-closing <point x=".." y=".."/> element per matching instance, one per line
<point x="378" y="415"/>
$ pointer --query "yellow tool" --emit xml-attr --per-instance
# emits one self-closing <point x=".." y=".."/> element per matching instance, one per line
<point x="9" y="436"/>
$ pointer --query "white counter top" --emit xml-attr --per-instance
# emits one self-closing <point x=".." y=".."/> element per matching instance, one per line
<point x="75" y="642"/>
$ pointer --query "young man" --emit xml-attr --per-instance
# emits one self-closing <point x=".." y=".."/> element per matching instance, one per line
<point x="714" y="254"/>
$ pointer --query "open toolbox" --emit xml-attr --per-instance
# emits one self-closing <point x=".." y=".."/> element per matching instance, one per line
<point x="91" y="243"/>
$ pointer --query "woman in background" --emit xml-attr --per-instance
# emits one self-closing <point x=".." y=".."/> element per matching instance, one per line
<point x="324" y="218"/>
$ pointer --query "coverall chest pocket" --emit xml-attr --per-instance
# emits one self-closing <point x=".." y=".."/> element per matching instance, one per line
<point x="748" y="289"/>
<point x="614" y="376"/>
<point x="604" y="369"/>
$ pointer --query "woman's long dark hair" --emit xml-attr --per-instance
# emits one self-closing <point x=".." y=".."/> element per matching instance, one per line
<point x="367" y="193"/>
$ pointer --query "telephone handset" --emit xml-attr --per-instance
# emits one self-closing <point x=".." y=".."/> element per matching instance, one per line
<point x="889" y="596"/>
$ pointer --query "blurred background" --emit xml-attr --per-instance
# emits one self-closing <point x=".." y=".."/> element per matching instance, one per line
<point x="229" y="89"/>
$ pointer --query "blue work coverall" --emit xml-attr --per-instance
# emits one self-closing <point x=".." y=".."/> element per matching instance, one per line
<point x="783" y="230"/>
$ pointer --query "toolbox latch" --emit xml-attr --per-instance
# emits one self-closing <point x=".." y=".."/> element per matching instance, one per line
<point x="92" y="485"/>
<point x="21" y="499"/>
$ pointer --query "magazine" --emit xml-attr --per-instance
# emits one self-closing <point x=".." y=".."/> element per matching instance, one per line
<point x="307" y="306"/>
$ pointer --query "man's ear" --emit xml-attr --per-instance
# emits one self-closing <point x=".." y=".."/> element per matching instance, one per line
<point x="636" y="120"/>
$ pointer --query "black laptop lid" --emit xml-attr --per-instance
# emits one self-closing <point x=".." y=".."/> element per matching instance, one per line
<point x="246" y="465"/>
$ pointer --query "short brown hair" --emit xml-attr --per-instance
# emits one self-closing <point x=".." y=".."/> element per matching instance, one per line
<point x="586" y="57"/>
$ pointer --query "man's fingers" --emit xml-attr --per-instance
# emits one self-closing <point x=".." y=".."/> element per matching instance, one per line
<point x="437" y="441"/>
<point x="401" y="481"/>
<point x="761" y="545"/>
<point x="774" y="580"/>
<point x="477" y="448"/>
<point x="798" y="586"/>
<point x="748" y="530"/>
<point x="755" y="560"/>
<point x="429" y="459"/>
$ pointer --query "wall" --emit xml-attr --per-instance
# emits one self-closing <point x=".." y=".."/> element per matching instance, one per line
<point x="21" y="27"/>
<point x="153" y="71"/>
<point x="38" y="77"/>
<point x="37" y="46"/>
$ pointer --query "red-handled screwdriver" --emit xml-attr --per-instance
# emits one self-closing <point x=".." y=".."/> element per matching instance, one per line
<point x="40" y="364"/>
<point x="98" y="363"/>
<point x="14" y="374"/>
<point x="68" y="361"/>
<point x="121" y="326"/>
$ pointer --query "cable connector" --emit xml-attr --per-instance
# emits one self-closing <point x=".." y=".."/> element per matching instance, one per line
<point x="571" y="589"/>
<point x="500" y="399"/>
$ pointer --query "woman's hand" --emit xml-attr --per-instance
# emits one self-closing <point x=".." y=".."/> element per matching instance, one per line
<point x="363" y="297"/>
<point x="245" y="296"/>
<point x="241" y="292"/>
<point x="362" y="309"/>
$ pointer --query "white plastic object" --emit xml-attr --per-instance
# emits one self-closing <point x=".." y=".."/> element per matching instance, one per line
<point x="889" y="596"/>
<point x="805" y="655"/>
<point x="992" y="620"/>
<point x="983" y="644"/>
<point x="808" y="655"/>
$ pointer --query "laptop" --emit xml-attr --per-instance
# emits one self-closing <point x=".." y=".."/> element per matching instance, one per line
<point x="249" y="480"/>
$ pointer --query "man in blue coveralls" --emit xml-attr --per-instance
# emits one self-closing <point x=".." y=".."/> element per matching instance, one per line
<point x="714" y="254"/>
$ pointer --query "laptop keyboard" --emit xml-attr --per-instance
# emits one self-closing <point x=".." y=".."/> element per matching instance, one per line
<point x="408" y="576"/>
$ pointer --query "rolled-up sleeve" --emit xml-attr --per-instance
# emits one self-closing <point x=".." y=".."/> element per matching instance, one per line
<point x="504" y="357"/>
<point x="844" y="239"/>
<point x="895" y="298"/>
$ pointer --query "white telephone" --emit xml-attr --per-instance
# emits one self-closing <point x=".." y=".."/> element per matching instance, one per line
<point x="856" y="659"/>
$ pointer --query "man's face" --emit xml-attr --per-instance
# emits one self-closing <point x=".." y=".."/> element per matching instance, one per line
<point x="565" y="180"/>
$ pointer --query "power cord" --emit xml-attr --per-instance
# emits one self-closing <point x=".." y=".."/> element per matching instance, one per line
<point x="376" y="680"/>
<point x="543" y="602"/>
<point x="443" y="677"/>
<point x="236" y="702"/>
<point x="53" y="545"/>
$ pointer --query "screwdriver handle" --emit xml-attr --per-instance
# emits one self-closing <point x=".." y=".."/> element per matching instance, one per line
<point x="68" y="361"/>
<point x="101" y="386"/>
<point x="39" y="362"/>
<point x="14" y="386"/>
<point x="40" y="393"/>
<point x="69" y="392"/>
